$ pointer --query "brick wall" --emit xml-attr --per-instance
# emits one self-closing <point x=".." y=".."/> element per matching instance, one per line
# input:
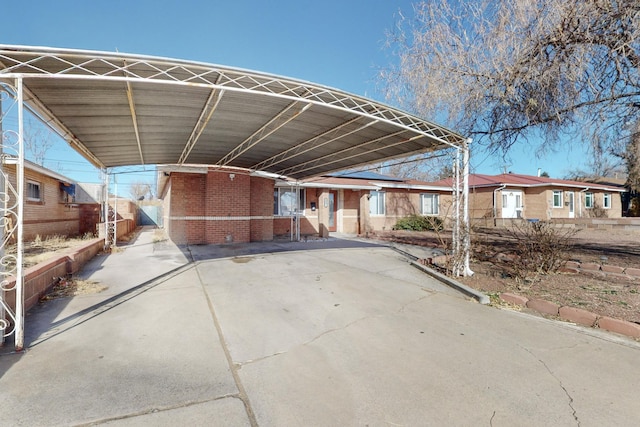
<point x="125" y="208"/>
<point x="41" y="277"/>
<point x="50" y="215"/>
<point x="222" y="206"/>
<point x="228" y="196"/>
<point x="89" y="218"/>
<point x="481" y="203"/>
<point x="536" y="203"/>
<point x="350" y="209"/>
<point x="261" y="202"/>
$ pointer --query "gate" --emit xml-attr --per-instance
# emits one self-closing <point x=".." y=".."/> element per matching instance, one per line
<point x="150" y="215"/>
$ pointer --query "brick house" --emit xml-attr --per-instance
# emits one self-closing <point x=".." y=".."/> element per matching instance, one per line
<point x="56" y="205"/>
<point x="207" y="205"/>
<point x="509" y="196"/>
<point x="49" y="207"/>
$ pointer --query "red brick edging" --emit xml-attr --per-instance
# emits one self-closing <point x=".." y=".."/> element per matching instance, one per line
<point x="593" y="268"/>
<point x="576" y="315"/>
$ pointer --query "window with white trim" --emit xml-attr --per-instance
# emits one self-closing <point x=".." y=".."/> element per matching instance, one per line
<point x="284" y="201"/>
<point x="376" y="203"/>
<point x="33" y="191"/>
<point x="606" y="200"/>
<point x="429" y="204"/>
<point x="557" y="198"/>
<point x="588" y="200"/>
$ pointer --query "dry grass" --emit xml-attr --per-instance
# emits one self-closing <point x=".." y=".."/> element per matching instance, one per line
<point x="73" y="287"/>
<point x="40" y="250"/>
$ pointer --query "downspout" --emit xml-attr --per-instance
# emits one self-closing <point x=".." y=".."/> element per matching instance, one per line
<point x="495" y="203"/>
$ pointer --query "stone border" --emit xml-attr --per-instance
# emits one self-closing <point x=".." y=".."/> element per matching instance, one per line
<point x="591" y="268"/>
<point x="575" y="315"/>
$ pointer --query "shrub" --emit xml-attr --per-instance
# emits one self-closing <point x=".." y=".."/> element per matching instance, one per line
<point x="419" y="223"/>
<point x="540" y="248"/>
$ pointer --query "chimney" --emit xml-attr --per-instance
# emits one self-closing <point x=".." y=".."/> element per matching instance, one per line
<point x="539" y="172"/>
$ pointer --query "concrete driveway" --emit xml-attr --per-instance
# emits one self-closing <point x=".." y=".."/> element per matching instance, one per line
<point x="340" y="333"/>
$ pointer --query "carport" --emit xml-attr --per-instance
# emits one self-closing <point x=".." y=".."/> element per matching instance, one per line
<point x="119" y="109"/>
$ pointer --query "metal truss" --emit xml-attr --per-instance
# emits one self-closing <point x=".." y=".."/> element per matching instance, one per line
<point x="11" y="220"/>
<point x="348" y="153"/>
<point x="290" y="112"/>
<point x="205" y="116"/>
<point x="78" y="64"/>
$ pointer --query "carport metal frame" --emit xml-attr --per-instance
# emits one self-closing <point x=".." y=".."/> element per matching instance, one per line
<point x="401" y="133"/>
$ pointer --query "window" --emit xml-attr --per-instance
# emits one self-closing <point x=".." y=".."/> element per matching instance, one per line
<point x="557" y="198"/>
<point x="376" y="203"/>
<point x="284" y="201"/>
<point x="429" y="204"/>
<point x="606" y="200"/>
<point x="67" y="193"/>
<point x="588" y="200"/>
<point x="33" y="191"/>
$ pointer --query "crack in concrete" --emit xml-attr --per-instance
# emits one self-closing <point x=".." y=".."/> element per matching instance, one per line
<point x="158" y="409"/>
<point x="430" y="294"/>
<point x="317" y="337"/>
<point x="330" y="331"/>
<point x="564" y="389"/>
<point x="242" y="393"/>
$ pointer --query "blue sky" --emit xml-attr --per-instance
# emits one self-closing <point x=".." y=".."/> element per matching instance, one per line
<point x="334" y="43"/>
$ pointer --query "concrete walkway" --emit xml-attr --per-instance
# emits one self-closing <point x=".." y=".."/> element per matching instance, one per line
<point x="332" y="333"/>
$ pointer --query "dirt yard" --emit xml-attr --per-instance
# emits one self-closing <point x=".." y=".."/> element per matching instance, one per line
<point x="603" y="295"/>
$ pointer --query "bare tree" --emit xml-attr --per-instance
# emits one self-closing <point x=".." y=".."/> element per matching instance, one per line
<point x="423" y="168"/>
<point x="37" y="140"/>
<point x="140" y="190"/>
<point x="507" y="71"/>
<point x="429" y="167"/>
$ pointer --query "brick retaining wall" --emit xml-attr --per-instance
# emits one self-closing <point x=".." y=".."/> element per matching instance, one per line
<point x="39" y="278"/>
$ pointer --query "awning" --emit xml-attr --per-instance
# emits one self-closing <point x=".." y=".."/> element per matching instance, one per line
<point x="118" y="109"/>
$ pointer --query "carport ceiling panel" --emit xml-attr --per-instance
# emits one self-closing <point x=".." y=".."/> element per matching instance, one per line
<point x="235" y="120"/>
<point x="311" y="135"/>
<point x="350" y="141"/>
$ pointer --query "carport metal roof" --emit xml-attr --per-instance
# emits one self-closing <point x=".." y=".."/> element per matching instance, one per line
<point x="120" y="109"/>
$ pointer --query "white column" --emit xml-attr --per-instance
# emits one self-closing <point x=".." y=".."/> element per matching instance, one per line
<point x="19" y="334"/>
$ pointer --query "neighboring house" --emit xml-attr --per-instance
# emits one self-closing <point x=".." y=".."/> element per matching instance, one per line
<point x="359" y="202"/>
<point x="204" y="205"/>
<point x="53" y="203"/>
<point x="213" y="205"/>
<point x="509" y="196"/>
<point x="49" y="205"/>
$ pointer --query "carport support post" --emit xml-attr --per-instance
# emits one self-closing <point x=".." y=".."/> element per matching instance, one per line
<point x="466" y="235"/>
<point x="3" y="209"/>
<point x="19" y="333"/>
<point x="105" y="207"/>
<point x="107" y="213"/>
<point x="298" y="213"/>
<point x="461" y="238"/>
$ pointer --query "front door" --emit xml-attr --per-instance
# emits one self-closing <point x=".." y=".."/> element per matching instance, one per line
<point x="511" y="204"/>
<point x="570" y="198"/>
<point x="333" y="210"/>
